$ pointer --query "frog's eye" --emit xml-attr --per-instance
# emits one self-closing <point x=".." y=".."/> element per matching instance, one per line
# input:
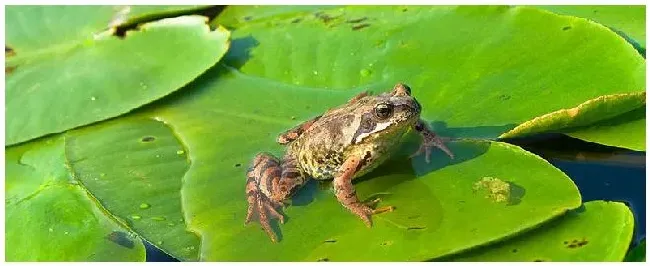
<point x="383" y="110"/>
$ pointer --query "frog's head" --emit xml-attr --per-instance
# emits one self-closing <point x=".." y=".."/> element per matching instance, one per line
<point x="388" y="114"/>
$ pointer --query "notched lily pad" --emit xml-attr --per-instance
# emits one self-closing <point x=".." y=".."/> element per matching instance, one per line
<point x="135" y="169"/>
<point x="50" y="216"/>
<point x="55" y="90"/>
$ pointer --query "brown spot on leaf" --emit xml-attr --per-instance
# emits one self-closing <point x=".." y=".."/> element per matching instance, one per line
<point x="356" y="20"/>
<point x="360" y="26"/>
<point x="247" y="18"/>
<point x="324" y="17"/>
<point x="237" y="165"/>
<point x="9" y="70"/>
<point x="148" y="139"/>
<point x="566" y="28"/>
<point x="415" y="227"/>
<point x="9" y="51"/>
<point x="575" y="243"/>
<point x="330" y="241"/>
<point x="296" y="20"/>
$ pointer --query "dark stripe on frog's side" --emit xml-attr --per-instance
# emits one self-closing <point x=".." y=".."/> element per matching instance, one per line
<point x="367" y="125"/>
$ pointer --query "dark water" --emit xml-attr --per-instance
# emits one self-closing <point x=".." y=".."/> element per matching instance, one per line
<point x="600" y="172"/>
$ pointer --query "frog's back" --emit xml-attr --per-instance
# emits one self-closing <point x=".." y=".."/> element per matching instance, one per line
<point x="320" y="150"/>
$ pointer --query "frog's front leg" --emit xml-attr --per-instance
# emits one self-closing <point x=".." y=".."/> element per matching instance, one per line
<point x="269" y="183"/>
<point x="347" y="195"/>
<point x="430" y="139"/>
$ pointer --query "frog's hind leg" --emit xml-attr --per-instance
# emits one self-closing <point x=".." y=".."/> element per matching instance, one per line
<point x="269" y="183"/>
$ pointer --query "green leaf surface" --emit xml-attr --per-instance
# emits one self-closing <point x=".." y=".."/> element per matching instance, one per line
<point x="49" y="91"/>
<point x="600" y="231"/>
<point x="637" y="254"/>
<point x="495" y="68"/>
<point x="51" y="217"/>
<point x="629" y="19"/>
<point x="31" y="28"/>
<point x="477" y="71"/>
<point x="627" y="131"/>
<point x="135" y="168"/>
<point x="235" y="17"/>
<point x="436" y="201"/>
<point x="594" y="121"/>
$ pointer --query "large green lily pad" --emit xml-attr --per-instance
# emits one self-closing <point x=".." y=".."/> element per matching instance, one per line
<point x="628" y="19"/>
<point x="478" y="72"/>
<point x="477" y="78"/>
<point x="434" y="201"/>
<point x="600" y="231"/>
<point x="52" y="90"/>
<point x="135" y="168"/>
<point x="35" y="28"/>
<point x="51" y="217"/>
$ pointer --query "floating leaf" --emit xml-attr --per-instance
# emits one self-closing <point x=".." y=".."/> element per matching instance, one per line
<point x="601" y="231"/>
<point x="35" y="28"/>
<point x="52" y="90"/>
<point x="495" y="68"/>
<point x="133" y="168"/>
<point x="629" y="19"/>
<point x="51" y="217"/>
<point x="593" y="121"/>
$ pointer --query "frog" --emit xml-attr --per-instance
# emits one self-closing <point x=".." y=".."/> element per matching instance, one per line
<point x="342" y="144"/>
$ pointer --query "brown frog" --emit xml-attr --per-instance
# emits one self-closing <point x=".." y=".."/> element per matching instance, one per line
<point x="342" y="144"/>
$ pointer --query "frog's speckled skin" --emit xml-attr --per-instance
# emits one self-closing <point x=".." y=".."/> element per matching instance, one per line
<point x="344" y="143"/>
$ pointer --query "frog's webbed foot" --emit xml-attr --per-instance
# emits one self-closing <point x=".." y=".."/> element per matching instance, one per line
<point x="264" y="168"/>
<point x="268" y="184"/>
<point x="261" y="206"/>
<point x="429" y="140"/>
<point x="347" y="195"/>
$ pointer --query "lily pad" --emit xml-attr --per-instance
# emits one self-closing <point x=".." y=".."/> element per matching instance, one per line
<point x="593" y="121"/>
<point x="51" y="217"/>
<point x="235" y="17"/>
<point x="435" y="201"/>
<point x="629" y="19"/>
<point x="627" y="131"/>
<point x="134" y="168"/>
<point x="495" y="68"/>
<point x="600" y="231"/>
<point x="52" y="90"/>
<point x="35" y="28"/>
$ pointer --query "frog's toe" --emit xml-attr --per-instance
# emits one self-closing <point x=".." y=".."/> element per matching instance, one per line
<point x="364" y="212"/>
<point x="430" y="142"/>
<point x="265" y="209"/>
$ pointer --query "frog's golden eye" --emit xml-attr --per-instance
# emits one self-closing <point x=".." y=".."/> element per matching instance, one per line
<point x="383" y="110"/>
